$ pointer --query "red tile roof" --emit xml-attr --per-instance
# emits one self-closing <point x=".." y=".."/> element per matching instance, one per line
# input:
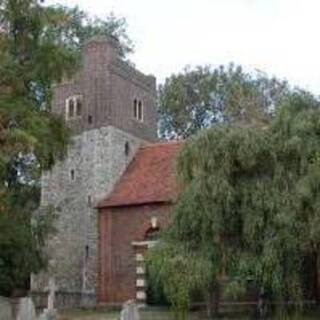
<point x="149" y="178"/>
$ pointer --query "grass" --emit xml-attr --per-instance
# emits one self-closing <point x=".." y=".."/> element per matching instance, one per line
<point x="149" y="314"/>
<point x="81" y="314"/>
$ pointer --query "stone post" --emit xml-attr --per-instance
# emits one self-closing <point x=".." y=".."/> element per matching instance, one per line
<point x="129" y="311"/>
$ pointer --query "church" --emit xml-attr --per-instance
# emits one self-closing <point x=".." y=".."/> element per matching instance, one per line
<point x="114" y="190"/>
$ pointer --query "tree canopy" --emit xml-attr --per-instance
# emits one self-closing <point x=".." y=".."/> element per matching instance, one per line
<point x="249" y="207"/>
<point x="39" y="45"/>
<point x="200" y="97"/>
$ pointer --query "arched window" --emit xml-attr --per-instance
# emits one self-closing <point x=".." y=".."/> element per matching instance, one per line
<point x="87" y="252"/>
<point x="135" y="108"/>
<point x="79" y="106"/>
<point x="72" y="174"/>
<point x="138" y="110"/>
<point x="152" y="234"/>
<point x="127" y="148"/>
<point x="73" y="107"/>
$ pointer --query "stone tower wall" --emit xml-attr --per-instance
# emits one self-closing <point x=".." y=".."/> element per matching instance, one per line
<point x="98" y="155"/>
<point x="97" y="158"/>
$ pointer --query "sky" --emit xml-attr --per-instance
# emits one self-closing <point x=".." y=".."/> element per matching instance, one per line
<point x="279" y="37"/>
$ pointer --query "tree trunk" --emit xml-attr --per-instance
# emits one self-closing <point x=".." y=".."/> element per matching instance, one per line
<point x="316" y="279"/>
<point x="216" y="300"/>
<point x="261" y="311"/>
<point x="213" y="300"/>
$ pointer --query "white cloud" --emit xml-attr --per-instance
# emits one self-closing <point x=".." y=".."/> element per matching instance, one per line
<point x="277" y="36"/>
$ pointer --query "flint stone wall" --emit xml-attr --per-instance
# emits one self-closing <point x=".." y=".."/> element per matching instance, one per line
<point x="97" y="158"/>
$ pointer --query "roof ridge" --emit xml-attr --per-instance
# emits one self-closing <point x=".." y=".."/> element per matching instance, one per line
<point x="159" y="144"/>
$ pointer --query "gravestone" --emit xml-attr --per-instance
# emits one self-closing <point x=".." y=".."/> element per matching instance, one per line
<point x="130" y="311"/>
<point x="50" y="313"/>
<point x="52" y="294"/>
<point x="5" y="309"/>
<point x="25" y="309"/>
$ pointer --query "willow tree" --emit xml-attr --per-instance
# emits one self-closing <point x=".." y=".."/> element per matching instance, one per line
<point x="249" y="206"/>
<point x="39" y="46"/>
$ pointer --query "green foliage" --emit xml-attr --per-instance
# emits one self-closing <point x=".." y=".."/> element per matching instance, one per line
<point x="249" y="204"/>
<point x="200" y="97"/>
<point x="194" y="272"/>
<point x="74" y="26"/>
<point x="39" y="46"/>
<point x="21" y="238"/>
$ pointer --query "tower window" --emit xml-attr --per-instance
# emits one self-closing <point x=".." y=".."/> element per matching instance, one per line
<point x="138" y="110"/>
<point x="90" y="119"/>
<point x="126" y="148"/>
<point x="72" y="174"/>
<point x="135" y="109"/>
<point x="73" y="107"/>
<point x="79" y="106"/>
<point x="87" y="251"/>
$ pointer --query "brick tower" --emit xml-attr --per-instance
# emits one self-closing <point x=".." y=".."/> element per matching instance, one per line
<point x="110" y="107"/>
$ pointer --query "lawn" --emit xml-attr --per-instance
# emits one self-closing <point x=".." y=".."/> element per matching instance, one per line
<point x="100" y="314"/>
<point x="88" y="315"/>
<point x="107" y="315"/>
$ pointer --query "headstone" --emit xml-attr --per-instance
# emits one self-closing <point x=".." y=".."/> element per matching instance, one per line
<point x="51" y="295"/>
<point x="130" y="311"/>
<point x="5" y="309"/>
<point x="50" y="313"/>
<point x="25" y="309"/>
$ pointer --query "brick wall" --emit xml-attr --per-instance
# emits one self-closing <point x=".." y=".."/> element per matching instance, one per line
<point x="118" y="228"/>
<point x="109" y="86"/>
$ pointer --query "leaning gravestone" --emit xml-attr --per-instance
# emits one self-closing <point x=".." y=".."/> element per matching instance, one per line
<point x="129" y="311"/>
<point x="25" y="309"/>
<point x="50" y="313"/>
<point x="5" y="309"/>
